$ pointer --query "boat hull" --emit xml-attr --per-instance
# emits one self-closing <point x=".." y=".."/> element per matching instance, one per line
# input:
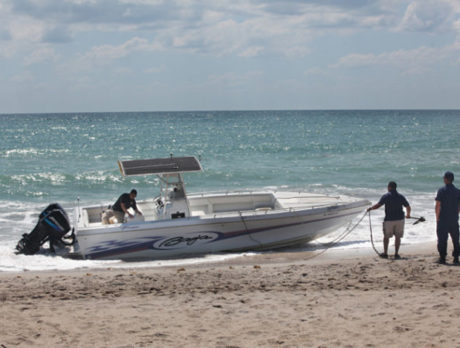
<point x="238" y="231"/>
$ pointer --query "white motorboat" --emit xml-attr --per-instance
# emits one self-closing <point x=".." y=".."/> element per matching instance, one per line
<point x="176" y="224"/>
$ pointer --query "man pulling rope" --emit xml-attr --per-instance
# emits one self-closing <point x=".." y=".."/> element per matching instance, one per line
<point x="393" y="224"/>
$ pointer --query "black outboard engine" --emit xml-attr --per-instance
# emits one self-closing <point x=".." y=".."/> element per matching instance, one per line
<point x="53" y="224"/>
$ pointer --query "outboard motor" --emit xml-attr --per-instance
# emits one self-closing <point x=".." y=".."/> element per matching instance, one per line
<point x="53" y="224"/>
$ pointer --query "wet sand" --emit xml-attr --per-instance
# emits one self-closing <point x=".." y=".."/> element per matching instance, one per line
<point x="338" y="299"/>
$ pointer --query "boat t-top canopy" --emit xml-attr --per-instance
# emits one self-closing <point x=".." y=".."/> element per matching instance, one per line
<point x="158" y="166"/>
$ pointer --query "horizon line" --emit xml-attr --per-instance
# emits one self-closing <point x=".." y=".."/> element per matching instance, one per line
<point x="222" y="110"/>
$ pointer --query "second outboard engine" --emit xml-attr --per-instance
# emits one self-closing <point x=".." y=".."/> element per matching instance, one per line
<point x="53" y="224"/>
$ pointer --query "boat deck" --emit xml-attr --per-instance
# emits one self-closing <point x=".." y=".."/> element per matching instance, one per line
<point x="225" y="203"/>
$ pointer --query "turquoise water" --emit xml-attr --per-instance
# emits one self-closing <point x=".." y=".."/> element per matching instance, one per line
<point x="58" y="157"/>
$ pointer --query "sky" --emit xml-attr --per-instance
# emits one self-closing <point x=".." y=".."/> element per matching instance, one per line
<point x="166" y="55"/>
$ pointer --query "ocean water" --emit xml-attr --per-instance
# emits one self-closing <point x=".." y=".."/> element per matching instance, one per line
<point x="47" y="158"/>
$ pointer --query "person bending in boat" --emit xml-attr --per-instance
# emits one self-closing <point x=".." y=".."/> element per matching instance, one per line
<point x="393" y="224"/>
<point x="120" y="208"/>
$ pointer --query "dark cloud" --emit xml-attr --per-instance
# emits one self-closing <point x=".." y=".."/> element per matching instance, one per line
<point x="57" y="35"/>
<point x="144" y="16"/>
<point x="154" y="15"/>
<point x="296" y="7"/>
<point x="99" y="12"/>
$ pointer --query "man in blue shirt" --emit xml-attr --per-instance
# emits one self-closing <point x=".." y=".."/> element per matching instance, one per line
<point x="393" y="224"/>
<point x="447" y="208"/>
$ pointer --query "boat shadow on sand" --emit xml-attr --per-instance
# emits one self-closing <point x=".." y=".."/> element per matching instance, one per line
<point x="316" y="246"/>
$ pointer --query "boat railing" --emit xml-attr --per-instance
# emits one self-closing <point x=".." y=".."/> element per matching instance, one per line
<point x="299" y="194"/>
<point x="257" y="191"/>
<point x="80" y="212"/>
<point x="258" y="212"/>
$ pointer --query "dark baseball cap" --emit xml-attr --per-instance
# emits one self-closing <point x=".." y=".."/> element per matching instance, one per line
<point x="449" y="176"/>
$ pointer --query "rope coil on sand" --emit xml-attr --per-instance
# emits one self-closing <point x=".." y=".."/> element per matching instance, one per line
<point x="372" y="237"/>
<point x="418" y="219"/>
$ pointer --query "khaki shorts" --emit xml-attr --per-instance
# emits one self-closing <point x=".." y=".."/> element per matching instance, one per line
<point x="393" y="228"/>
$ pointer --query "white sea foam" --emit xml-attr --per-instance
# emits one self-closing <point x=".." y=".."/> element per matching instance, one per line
<point x="31" y="151"/>
<point x="17" y="218"/>
<point x="422" y="206"/>
<point x="21" y="152"/>
<point x="26" y="180"/>
<point x="99" y="177"/>
<point x="10" y="262"/>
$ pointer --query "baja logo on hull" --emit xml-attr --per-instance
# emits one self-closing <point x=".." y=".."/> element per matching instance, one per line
<point x="179" y="242"/>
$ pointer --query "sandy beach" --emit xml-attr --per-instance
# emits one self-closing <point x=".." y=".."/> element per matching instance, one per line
<point x="338" y="299"/>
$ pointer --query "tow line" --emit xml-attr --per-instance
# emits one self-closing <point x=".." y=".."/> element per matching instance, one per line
<point x="418" y="219"/>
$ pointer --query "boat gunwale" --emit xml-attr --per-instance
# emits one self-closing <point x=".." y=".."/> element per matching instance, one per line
<point x="221" y="217"/>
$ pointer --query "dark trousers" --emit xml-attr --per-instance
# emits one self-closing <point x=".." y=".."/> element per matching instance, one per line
<point x="444" y="228"/>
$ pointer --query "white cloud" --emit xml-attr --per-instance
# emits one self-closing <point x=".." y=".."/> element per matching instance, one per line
<point x="155" y="70"/>
<point x="41" y="54"/>
<point x="427" y="15"/>
<point x="82" y="2"/>
<point x="415" y="61"/>
<point x="135" y="44"/>
<point x="245" y="28"/>
<point x="26" y="29"/>
<point x="23" y="77"/>
<point x="7" y="49"/>
<point x="456" y="25"/>
<point x="193" y="39"/>
<point x="315" y="71"/>
<point x="232" y="79"/>
<point x="251" y="51"/>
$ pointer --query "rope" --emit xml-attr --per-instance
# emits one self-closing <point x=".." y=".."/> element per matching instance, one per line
<point x="372" y="237"/>
<point x="246" y="228"/>
<point x="338" y="239"/>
